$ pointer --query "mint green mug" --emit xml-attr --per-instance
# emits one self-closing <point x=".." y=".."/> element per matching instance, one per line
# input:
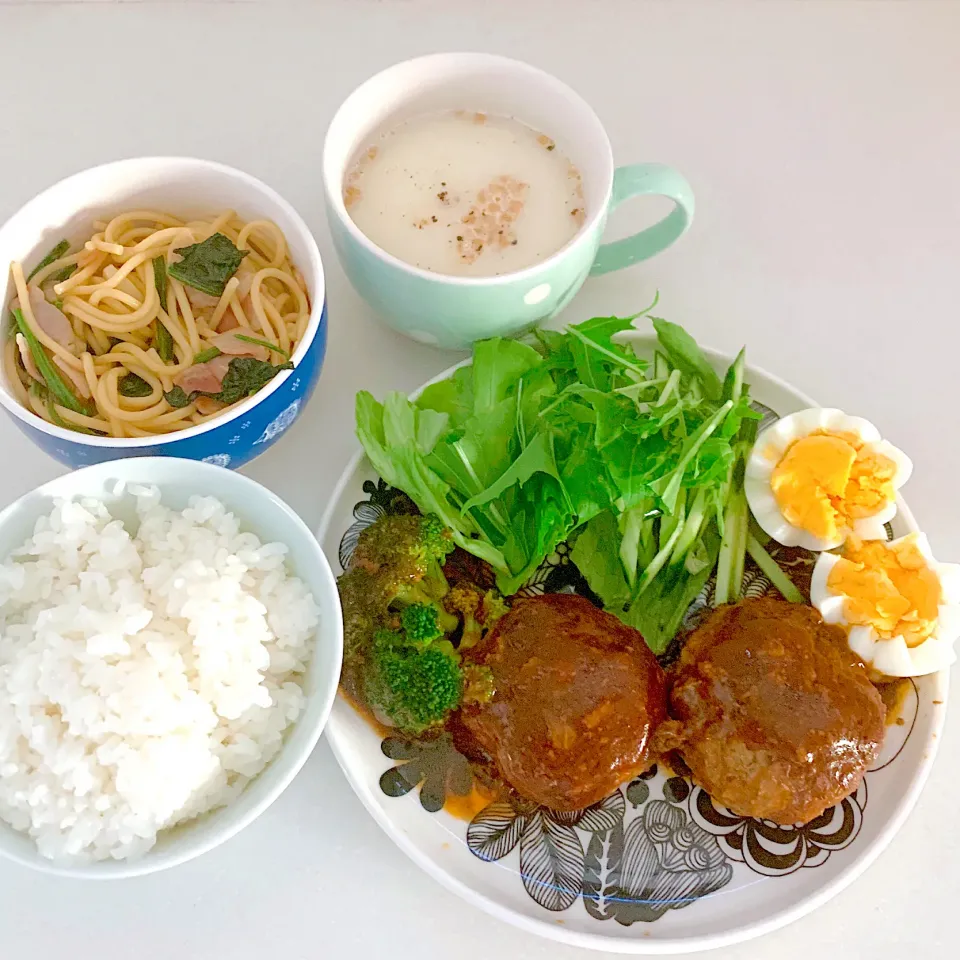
<point x="453" y="312"/>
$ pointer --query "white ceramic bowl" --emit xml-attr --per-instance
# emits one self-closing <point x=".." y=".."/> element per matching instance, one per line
<point x="186" y="188"/>
<point x="270" y="519"/>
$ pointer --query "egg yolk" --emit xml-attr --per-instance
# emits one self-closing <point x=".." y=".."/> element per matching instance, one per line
<point x="888" y="587"/>
<point x="825" y="481"/>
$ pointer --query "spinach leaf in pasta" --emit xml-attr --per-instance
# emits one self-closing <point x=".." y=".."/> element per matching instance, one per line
<point x="207" y="266"/>
<point x="132" y="385"/>
<point x="244" y="377"/>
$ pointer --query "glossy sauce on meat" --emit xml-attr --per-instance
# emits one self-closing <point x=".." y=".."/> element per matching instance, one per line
<point x="774" y="715"/>
<point x="578" y="696"/>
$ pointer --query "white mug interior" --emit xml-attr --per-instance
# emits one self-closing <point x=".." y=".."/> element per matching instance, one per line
<point x="477" y="82"/>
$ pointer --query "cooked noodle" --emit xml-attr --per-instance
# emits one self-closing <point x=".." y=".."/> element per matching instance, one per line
<point x="109" y="325"/>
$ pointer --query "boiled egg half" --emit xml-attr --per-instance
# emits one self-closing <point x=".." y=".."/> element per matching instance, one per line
<point x="817" y="476"/>
<point x="900" y="607"/>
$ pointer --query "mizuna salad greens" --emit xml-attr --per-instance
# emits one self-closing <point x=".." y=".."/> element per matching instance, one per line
<point x="638" y="462"/>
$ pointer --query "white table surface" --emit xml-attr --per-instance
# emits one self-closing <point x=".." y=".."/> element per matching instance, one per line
<point x="823" y="142"/>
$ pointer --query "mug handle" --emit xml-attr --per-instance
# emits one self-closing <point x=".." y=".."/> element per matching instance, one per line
<point x="637" y="180"/>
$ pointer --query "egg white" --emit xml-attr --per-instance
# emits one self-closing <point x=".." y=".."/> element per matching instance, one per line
<point x="768" y="451"/>
<point x="893" y="657"/>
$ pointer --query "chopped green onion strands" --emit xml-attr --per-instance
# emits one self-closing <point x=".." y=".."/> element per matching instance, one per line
<point x="732" y="547"/>
<point x="204" y="355"/>
<point x="55" y="254"/>
<point x="691" y="527"/>
<point x="160" y="280"/>
<point x="68" y="271"/>
<point x="51" y="376"/>
<point x="164" y="339"/>
<point x="758" y="533"/>
<point x="164" y="343"/>
<point x="65" y="424"/>
<point x="655" y="565"/>
<point x="262" y="343"/>
<point x="52" y="410"/>
<point x="733" y="382"/>
<point x="54" y="416"/>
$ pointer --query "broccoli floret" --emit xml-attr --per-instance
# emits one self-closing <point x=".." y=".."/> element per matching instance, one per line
<point x="425" y="622"/>
<point x="396" y="655"/>
<point x="431" y="547"/>
<point x="479" y="611"/>
<point x="435" y="543"/>
<point x="465" y="601"/>
<point x="407" y="553"/>
<point x="493" y="608"/>
<point x="413" y="688"/>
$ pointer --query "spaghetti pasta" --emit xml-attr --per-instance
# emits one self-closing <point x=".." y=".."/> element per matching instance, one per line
<point x="140" y="327"/>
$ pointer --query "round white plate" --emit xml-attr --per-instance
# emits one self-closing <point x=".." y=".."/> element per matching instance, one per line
<point x="657" y="867"/>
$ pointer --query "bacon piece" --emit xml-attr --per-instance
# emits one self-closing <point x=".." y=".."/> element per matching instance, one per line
<point x="27" y="357"/>
<point x="52" y="321"/>
<point x="245" y="274"/>
<point x="76" y="377"/>
<point x="206" y="377"/>
<point x="229" y="344"/>
<point x="207" y="405"/>
<point x="228" y="321"/>
<point x="198" y="299"/>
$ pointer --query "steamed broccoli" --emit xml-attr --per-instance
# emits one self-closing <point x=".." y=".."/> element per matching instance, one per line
<point x="434" y="544"/>
<point x="415" y="688"/>
<point x="479" y="611"/>
<point x="399" y="614"/>
<point x="396" y="562"/>
<point x="425" y="622"/>
<point x="406" y="553"/>
<point x="494" y="607"/>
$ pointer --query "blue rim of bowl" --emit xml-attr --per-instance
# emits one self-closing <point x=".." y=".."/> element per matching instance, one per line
<point x="317" y="304"/>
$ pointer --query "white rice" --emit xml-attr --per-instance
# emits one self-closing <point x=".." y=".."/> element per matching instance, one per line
<point x="144" y="679"/>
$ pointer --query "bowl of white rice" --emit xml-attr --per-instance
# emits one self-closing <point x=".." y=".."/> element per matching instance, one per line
<point x="170" y="647"/>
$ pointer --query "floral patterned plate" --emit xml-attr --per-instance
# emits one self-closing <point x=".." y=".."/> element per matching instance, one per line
<point x="657" y="867"/>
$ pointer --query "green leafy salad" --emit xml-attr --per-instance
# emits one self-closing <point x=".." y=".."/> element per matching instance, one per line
<point x="636" y="461"/>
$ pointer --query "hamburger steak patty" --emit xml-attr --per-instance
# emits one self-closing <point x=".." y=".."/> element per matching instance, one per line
<point x="773" y="713"/>
<point x="578" y="697"/>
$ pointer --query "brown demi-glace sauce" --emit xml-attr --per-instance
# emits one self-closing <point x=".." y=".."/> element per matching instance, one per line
<point x="468" y="806"/>
<point x="893" y="693"/>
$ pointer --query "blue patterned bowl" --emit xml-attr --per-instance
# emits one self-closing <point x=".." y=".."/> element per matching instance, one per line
<point x="187" y="188"/>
